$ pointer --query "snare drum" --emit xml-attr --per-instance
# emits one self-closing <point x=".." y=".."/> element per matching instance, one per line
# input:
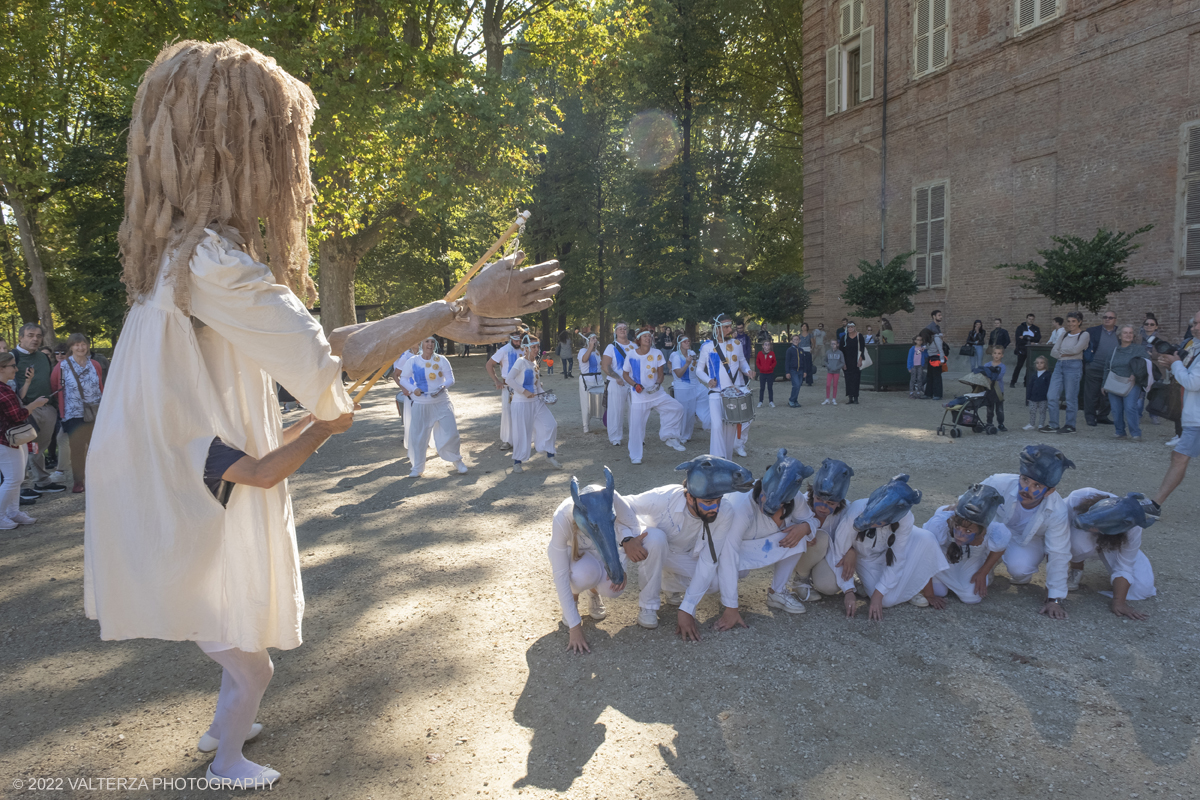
<point x="736" y="406"/>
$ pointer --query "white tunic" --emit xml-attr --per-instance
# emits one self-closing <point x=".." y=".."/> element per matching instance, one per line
<point x="617" y="352"/>
<point x="162" y="558"/>
<point x="567" y="543"/>
<point x="640" y="370"/>
<point x="430" y="375"/>
<point x="957" y="577"/>
<point x="1128" y="562"/>
<point x="1045" y="529"/>
<point x="915" y="557"/>
<point x="709" y="366"/>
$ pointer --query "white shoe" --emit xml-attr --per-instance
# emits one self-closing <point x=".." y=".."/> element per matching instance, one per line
<point x="804" y="591"/>
<point x="741" y="451"/>
<point x="207" y="743"/>
<point x="554" y="461"/>
<point x="596" y="609"/>
<point x="825" y="402"/>
<point x="505" y="447"/>
<point x="760" y="405"/>
<point x="674" y="598"/>
<point x="784" y="602"/>
<point x="57" y="476"/>
<point x="834" y="402"/>
<point x="648" y="618"/>
<point x="461" y="467"/>
<point x="1174" y="440"/>
<point x="616" y="443"/>
<point x="1028" y="427"/>
<point x="7" y="524"/>
<point x="919" y="600"/>
<point x="264" y="780"/>
<point x="772" y="405"/>
<point x="635" y="461"/>
<point x="21" y="518"/>
<point x="517" y="467"/>
<point x="415" y="474"/>
<point x="1073" y="576"/>
<point x="674" y="444"/>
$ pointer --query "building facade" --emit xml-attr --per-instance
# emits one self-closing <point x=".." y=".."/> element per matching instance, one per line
<point x="1006" y="123"/>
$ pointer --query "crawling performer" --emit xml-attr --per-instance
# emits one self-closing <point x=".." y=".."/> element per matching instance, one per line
<point x="1109" y="529"/>
<point x="972" y="542"/>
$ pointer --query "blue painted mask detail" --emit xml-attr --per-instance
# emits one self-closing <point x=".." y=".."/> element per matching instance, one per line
<point x="887" y="504"/>
<point x="709" y="477"/>
<point x="782" y="481"/>
<point x="594" y="515"/>
<point x="979" y="504"/>
<point x="832" y="481"/>
<point x="1113" y="516"/>
<point x="1044" y="464"/>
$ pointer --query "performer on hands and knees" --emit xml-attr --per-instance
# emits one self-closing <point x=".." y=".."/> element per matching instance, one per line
<point x="686" y="385"/>
<point x="972" y="542"/>
<point x="590" y="376"/>
<point x="826" y="499"/>
<point x="644" y="371"/>
<point x="612" y="364"/>
<point x="1036" y="516"/>
<point x="722" y="366"/>
<point x="533" y="426"/>
<point x="502" y="361"/>
<point x="427" y="377"/>
<point x="1109" y="529"/>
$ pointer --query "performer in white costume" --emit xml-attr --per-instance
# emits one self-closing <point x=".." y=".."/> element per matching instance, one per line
<point x="703" y="517"/>
<point x="973" y="543"/>
<point x="533" y="426"/>
<point x="878" y="539"/>
<point x="497" y="367"/>
<point x="590" y="376"/>
<point x="644" y="371"/>
<point x="826" y="500"/>
<point x="427" y="377"/>
<point x="584" y="556"/>
<point x="189" y="532"/>
<point x="1108" y="528"/>
<point x="721" y="365"/>
<point x="1036" y="516"/>
<point x="611" y="364"/>
<point x="403" y="401"/>
<point x="686" y="386"/>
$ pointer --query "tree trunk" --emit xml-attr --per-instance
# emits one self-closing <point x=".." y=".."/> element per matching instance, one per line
<point x="26" y="306"/>
<point x="33" y="261"/>
<point x="336" y="284"/>
<point x="493" y="37"/>
<point x="601" y="333"/>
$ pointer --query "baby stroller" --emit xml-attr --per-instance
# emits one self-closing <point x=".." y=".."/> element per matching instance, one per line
<point x="964" y="411"/>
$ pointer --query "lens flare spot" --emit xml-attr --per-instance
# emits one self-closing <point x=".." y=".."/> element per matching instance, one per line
<point x="652" y="140"/>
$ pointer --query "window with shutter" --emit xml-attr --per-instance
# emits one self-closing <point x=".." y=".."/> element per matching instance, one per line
<point x="931" y="36"/>
<point x="1191" y="199"/>
<point x="1031" y="13"/>
<point x="850" y="18"/>
<point x="929" y="234"/>
<point x="833" y="83"/>
<point x="866" y="64"/>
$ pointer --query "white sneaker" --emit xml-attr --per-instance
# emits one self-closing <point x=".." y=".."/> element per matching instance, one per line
<point x="461" y="467"/>
<point x="554" y="461"/>
<point x="784" y="602"/>
<point x="772" y="405"/>
<point x="415" y="474"/>
<point x="741" y="451"/>
<point x="674" y="444"/>
<point x="804" y="591"/>
<point x="674" y="598"/>
<point x="505" y="447"/>
<point x="517" y="467"/>
<point x="263" y="780"/>
<point x="635" y="461"/>
<point x="21" y="518"/>
<point x="648" y="618"/>
<point x="834" y="402"/>
<point x="207" y="743"/>
<point x="1073" y="576"/>
<point x="57" y="476"/>
<point x="1174" y="440"/>
<point x="825" y="402"/>
<point x="1028" y="427"/>
<point x="7" y="524"/>
<point x="596" y="609"/>
<point x="919" y="600"/>
<point x="760" y="405"/>
<point x="616" y="443"/>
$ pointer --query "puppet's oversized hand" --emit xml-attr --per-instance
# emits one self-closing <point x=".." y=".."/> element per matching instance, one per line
<point x="479" y="330"/>
<point x="502" y="290"/>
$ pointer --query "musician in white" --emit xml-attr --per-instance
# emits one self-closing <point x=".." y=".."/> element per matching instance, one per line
<point x="590" y="376"/>
<point x="644" y="371"/>
<point x="403" y="401"/>
<point x="720" y="367"/>
<point x="533" y="426"/>
<point x="686" y="385"/>
<point x="504" y="357"/>
<point x="426" y="377"/>
<point x="611" y="364"/>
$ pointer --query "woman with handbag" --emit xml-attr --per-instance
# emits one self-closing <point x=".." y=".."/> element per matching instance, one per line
<point x="78" y="381"/>
<point x="853" y="350"/>
<point x="18" y="433"/>
<point x="976" y="339"/>
<point x="1125" y="382"/>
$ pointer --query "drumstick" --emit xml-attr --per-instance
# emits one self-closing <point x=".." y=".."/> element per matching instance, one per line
<point x="374" y="378"/>
<point x="461" y="286"/>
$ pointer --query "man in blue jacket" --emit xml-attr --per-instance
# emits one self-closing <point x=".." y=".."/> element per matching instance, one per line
<point x="791" y="370"/>
<point x="1102" y="343"/>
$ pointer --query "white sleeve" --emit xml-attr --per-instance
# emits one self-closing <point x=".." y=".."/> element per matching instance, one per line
<point x="652" y="505"/>
<point x="1058" y="552"/>
<point x="939" y="525"/>
<point x="406" y="375"/>
<point x="997" y="538"/>
<point x="559" y="554"/>
<point x="498" y="356"/>
<point x="1124" y="559"/>
<point x="514" y="375"/>
<point x="238" y="298"/>
<point x="841" y="541"/>
<point x="448" y="372"/>
<point x="702" y="365"/>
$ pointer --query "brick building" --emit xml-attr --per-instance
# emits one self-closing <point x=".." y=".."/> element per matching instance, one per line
<point x="1006" y="123"/>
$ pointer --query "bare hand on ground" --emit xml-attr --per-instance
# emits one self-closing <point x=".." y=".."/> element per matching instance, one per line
<point x="685" y="626"/>
<point x="875" y="611"/>
<point x="729" y="620"/>
<point x="1125" y="610"/>
<point x="980" y="581"/>
<point x="850" y="603"/>
<point x="1053" y="610"/>
<point x="502" y="290"/>
<point x="577" y="643"/>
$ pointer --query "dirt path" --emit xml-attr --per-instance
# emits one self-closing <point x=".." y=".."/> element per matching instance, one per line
<point x="434" y="663"/>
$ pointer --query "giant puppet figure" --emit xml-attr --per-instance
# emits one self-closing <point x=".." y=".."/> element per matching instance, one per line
<point x="189" y="532"/>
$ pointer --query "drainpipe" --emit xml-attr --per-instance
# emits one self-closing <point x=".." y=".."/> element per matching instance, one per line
<point x="883" y="146"/>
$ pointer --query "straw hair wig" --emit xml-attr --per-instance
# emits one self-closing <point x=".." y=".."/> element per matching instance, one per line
<point x="219" y="139"/>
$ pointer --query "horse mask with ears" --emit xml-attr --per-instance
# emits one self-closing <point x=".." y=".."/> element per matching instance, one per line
<point x="594" y="515"/>
<point x="1113" y="516"/>
<point x="782" y="481"/>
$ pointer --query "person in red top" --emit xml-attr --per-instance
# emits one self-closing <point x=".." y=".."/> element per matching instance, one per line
<point x="12" y="459"/>
<point x="764" y="364"/>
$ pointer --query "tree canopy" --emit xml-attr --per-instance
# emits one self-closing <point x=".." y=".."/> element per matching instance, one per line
<point x="881" y="289"/>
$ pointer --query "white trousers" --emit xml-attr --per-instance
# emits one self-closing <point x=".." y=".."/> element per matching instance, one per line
<point x="686" y="394"/>
<point x="588" y="573"/>
<point x="723" y="436"/>
<point x="670" y="420"/>
<point x="1024" y="560"/>
<point x="533" y="427"/>
<point x="618" y="404"/>
<point x="650" y="570"/>
<point x="922" y="560"/>
<point x="404" y="406"/>
<point x="758" y="553"/>
<point x="506" y="416"/>
<point x="12" y="470"/>
<point x="1141" y="587"/>
<point x="584" y="383"/>
<point x="957" y="579"/>
<point x="436" y="419"/>
<point x="666" y="570"/>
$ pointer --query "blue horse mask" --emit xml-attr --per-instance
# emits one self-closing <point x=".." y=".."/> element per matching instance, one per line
<point x="1044" y="464"/>
<point x="782" y="481"/>
<point x="593" y="514"/>
<point x="709" y="477"/>
<point x="887" y="504"/>
<point x="832" y="481"/>
<point x="1113" y="516"/>
<point x="978" y="504"/>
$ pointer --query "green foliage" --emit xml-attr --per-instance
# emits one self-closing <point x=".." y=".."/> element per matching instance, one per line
<point x="1082" y="272"/>
<point x="780" y="300"/>
<point x="881" y="289"/>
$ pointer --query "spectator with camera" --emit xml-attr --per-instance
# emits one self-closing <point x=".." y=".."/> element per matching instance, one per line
<point x="1185" y="369"/>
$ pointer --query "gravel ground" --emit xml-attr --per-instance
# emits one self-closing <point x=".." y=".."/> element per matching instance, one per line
<point x="435" y="664"/>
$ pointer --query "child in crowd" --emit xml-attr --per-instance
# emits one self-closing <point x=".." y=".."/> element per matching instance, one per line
<point x="1035" y="394"/>
<point x="916" y="367"/>
<point x="764" y="364"/>
<point x="834" y="364"/>
<point x="994" y="372"/>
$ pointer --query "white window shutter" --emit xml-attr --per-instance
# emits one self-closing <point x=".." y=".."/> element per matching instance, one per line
<point x="1191" y="218"/>
<point x="866" y="64"/>
<point x="940" y="48"/>
<point x="1027" y="13"/>
<point x="921" y="236"/>
<point x="845" y="21"/>
<point x="920" y="270"/>
<point x="857" y="17"/>
<point x="833" y="89"/>
<point x="936" y="261"/>
<point x="921" y="39"/>
<point x="1047" y="10"/>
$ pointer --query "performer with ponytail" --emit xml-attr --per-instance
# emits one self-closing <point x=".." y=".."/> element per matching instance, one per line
<point x="533" y="426"/>
<point x="1108" y="529"/>
<point x="686" y="385"/>
<point x="612" y="364"/>
<point x="427" y="377"/>
<point x="973" y="543"/>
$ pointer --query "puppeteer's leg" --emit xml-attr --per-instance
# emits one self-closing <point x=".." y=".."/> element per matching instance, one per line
<point x="243" y="684"/>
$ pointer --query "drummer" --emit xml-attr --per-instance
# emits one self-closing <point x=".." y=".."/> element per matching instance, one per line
<point x="612" y="363"/>
<point x="722" y="366"/>
<point x="686" y="387"/>
<point x="591" y="379"/>
<point x="644" y="371"/>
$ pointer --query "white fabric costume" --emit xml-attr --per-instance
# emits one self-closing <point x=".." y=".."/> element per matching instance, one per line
<point x="688" y="391"/>
<point x="760" y="544"/>
<point x="618" y="395"/>
<point x="1037" y="533"/>
<point x="916" y="557"/>
<point x="506" y="356"/>
<point x="640" y="370"/>
<point x="724" y="436"/>
<point x="162" y="558"/>
<point x="1129" y="562"/>
<point x="402" y="399"/>
<point x="589" y="376"/>
<point x="532" y="422"/>
<point x="432" y="412"/>
<point x="957" y="577"/>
